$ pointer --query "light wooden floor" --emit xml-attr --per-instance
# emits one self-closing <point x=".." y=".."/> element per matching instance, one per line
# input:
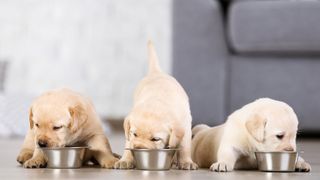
<point x="10" y="169"/>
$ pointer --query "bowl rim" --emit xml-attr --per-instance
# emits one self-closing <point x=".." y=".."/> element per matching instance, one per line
<point x="151" y="150"/>
<point x="64" y="148"/>
<point x="276" y="152"/>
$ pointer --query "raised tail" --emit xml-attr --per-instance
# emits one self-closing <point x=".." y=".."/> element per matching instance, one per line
<point x="153" y="59"/>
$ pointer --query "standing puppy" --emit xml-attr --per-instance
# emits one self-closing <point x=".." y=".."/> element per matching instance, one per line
<point x="160" y="117"/>
<point x="60" y="118"/>
<point x="263" y="125"/>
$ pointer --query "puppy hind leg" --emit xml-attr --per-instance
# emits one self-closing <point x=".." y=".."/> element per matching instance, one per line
<point x="196" y="129"/>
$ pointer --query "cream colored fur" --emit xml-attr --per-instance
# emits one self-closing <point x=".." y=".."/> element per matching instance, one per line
<point x="160" y="117"/>
<point x="61" y="118"/>
<point x="258" y="126"/>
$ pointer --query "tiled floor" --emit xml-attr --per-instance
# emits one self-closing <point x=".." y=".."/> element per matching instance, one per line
<point x="10" y="169"/>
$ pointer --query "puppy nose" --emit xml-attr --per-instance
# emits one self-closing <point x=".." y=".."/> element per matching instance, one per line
<point x="42" y="143"/>
<point x="288" y="149"/>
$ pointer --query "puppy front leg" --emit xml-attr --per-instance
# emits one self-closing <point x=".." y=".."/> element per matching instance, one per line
<point x="184" y="156"/>
<point x="27" y="149"/>
<point x="127" y="161"/>
<point x="38" y="160"/>
<point x="302" y="165"/>
<point x="227" y="158"/>
<point x="100" y="147"/>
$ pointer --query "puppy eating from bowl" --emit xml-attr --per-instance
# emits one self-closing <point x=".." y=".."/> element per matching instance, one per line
<point x="265" y="125"/>
<point x="160" y="117"/>
<point x="60" y="118"/>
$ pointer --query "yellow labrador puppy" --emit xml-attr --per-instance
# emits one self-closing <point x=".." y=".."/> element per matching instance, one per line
<point x="61" y="118"/>
<point x="160" y="117"/>
<point x="263" y="125"/>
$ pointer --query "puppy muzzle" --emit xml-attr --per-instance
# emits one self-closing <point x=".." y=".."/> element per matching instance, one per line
<point x="42" y="143"/>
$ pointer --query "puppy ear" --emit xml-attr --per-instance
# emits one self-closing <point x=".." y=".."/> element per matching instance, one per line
<point x="30" y="118"/>
<point x="78" y="117"/>
<point x="176" y="136"/>
<point x="126" y="127"/>
<point x="255" y="126"/>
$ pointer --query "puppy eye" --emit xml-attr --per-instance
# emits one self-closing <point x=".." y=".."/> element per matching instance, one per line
<point x="280" y="136"/>
<point x="155" y="139"/>
<point x="37" y="124"/>
<point x="135" y="134"/>
<point x="57" y="127"/>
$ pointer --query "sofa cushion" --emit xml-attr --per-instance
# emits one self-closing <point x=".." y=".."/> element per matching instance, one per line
<point x="293" y="80"/>
<point x="199" y="46"/>
<point x="274" y="26"/>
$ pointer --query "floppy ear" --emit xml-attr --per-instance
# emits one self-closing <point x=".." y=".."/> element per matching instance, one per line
<point x="126" y="127"/>
<point x="255" y="126"/>
<point x="176" y="136"/>
<point x="30" y="118"/>
<point x="78" y="117"/>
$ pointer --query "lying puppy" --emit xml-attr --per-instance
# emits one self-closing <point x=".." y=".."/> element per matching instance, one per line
<point x="263" y="125"/>
<point x="61" y="118"/>
<point x="160" y="117"/>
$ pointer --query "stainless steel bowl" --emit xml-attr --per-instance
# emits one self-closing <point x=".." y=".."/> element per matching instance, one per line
<point x="276" y="161"/>
<point x="153" y="159"/>
<point x="64" y="158"/>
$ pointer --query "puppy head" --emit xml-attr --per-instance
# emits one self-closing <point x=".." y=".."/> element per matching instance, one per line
<point x="54" y="125"/>
<point x="145" y="132"/>
<point x="275" y="131"/>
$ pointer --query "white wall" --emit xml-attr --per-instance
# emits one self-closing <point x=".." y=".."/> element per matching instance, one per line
<point x="97" y="47"/>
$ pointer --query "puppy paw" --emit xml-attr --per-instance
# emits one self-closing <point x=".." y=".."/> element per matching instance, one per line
<point x="124" y="164"/>
<point x="35" y="162"/>
<point x="109" y="163"/>
<point x="302" y="166"/>
<point x="187" y="165"/>
<point x="220" y="167"/>
<point x="24" y="155"/>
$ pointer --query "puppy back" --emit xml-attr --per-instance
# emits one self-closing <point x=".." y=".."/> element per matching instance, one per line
<point x="196" y="129"/>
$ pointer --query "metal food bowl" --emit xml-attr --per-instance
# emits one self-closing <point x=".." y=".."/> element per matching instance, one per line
<point x="65" y="157"/>
<point x="276" y="161"/>
<point x="153" y="159"/>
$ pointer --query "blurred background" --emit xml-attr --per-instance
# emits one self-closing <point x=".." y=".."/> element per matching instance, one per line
<point x="95" y="47"/>
<point x="226" y="53"/>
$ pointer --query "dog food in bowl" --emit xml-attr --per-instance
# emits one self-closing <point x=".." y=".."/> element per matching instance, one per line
<point x="153" y="159"/>
<point x="276" y="161"/>
<point x="65" y="157"/>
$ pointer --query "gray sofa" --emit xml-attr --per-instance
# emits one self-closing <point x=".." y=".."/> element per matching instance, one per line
<point x="229" y="53"/>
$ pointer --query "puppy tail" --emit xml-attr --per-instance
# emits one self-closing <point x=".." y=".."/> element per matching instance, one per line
<point x="196" y="129"/>
<point x="153" y="59"/>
